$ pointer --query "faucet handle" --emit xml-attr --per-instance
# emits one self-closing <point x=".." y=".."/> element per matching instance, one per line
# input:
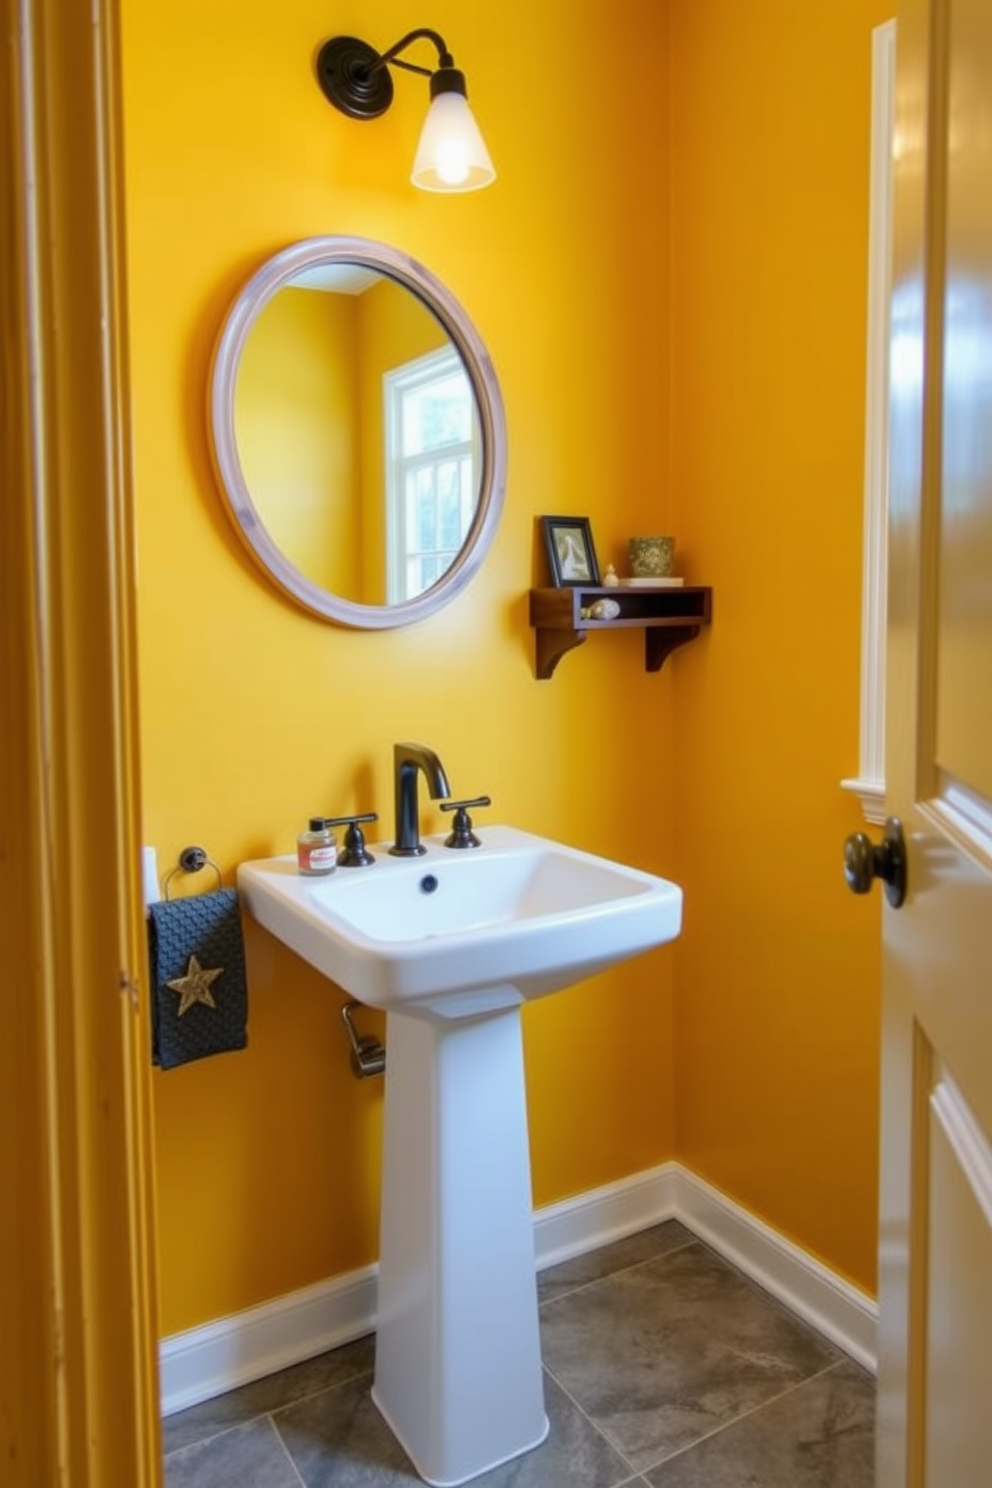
<point x="462" y="834"/>
<point x="354" y="854"/>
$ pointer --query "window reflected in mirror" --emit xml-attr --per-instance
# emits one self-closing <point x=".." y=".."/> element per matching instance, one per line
<point x="432" y="460"/>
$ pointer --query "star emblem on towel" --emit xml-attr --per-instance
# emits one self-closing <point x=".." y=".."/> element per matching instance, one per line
<point x="195" y="986"/>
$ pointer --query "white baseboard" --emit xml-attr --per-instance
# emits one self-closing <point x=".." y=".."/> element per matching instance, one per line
<point x="824" y="1300"/>
<point x="233" y="1350"/>
<point x="602" y="1215"/>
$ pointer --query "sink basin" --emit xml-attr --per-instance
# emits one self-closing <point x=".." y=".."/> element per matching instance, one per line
<point x="455" y="933"/>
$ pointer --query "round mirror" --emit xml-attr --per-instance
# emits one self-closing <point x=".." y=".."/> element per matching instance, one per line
<point x="358" y="432"/>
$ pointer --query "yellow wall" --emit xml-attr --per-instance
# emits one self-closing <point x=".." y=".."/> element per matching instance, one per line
<point x="255" y="715"/>
<point x="719" y="396"/>
<point x="777" y="972"/>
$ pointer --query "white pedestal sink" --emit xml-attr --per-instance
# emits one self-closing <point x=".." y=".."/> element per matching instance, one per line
<point x="451" y="944"/>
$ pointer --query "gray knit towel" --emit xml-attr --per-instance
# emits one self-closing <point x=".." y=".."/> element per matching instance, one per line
<point x="196" y="959"/>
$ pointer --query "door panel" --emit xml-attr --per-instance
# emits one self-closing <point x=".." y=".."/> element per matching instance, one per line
<point x="959" y="1290"/>
<point x="935" y="1341"/>
<point x="948" y="908"/>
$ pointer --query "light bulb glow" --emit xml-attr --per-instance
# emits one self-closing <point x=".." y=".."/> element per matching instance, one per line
<point x="452" y="154"/>
<point x="452" y="161"/>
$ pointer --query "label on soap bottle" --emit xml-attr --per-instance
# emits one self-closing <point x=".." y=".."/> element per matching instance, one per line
<point x="316" y="850"/>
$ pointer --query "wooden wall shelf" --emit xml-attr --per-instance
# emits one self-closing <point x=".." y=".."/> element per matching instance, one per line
<point x="669" y="618"/>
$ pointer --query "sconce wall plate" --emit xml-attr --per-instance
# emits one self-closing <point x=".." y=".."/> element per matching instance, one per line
<point x="347" y="79"/>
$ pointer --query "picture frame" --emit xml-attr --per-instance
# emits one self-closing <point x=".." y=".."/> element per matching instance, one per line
<point x="571" y="552"/>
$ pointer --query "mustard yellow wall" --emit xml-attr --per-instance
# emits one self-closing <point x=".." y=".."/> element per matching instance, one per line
<point x="255" y="715"/>
<point x="297" y="427"/>
<point x="777" y="972"/>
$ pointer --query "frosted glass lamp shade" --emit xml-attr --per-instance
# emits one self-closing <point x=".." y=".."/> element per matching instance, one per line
<point x="452" y="154"/>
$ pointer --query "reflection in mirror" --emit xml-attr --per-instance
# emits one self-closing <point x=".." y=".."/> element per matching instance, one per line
<point x="432" y="456"/>
<point x="355" y="424"/>
<point x="358" y="432"/>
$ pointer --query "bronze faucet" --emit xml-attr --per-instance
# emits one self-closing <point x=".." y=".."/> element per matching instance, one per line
<point x="408" y="760"/>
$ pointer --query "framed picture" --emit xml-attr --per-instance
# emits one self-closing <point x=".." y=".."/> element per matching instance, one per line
<point x="571" y="555"/>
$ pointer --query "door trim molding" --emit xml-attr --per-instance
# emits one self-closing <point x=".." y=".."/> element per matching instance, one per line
<point x="231" y="1351"/>
<point x="967" y="1140"/>
<point x="77" y="1285"/>
<point x="869" y="784"/>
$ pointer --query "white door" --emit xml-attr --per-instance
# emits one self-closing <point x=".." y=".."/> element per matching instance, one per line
<point x="935" y="1381"/>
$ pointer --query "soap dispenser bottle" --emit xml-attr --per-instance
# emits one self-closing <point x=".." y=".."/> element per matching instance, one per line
<point x="316" y="849"/>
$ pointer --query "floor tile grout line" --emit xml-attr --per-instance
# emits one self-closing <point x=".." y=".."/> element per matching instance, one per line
<point x="272" y="1411"/>
<point x="202" y="1441"/>
<point x="352" y="1379"/>
<point x="634" y="1474"/>
<point x="288" y="1454"/>
<point x="583" y="1286"/>
<point x="744" y="1415"/>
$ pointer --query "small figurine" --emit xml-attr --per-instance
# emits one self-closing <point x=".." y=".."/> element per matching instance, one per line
<point x="610" y="580"/>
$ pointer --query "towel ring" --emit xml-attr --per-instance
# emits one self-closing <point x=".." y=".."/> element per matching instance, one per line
<point x="191" y="860"/>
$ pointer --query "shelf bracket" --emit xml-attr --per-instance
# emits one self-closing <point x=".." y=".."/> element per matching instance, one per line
<point x="659" y="644"/>
<point x="551" y="646"/>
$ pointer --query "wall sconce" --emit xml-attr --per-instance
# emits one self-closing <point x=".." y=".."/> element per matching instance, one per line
<point x="452" y="154"/>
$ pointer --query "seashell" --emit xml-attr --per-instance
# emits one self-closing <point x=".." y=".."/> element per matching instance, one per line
<point x="604" y="609"/>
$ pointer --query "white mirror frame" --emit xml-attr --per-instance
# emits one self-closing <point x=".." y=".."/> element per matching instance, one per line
<point x="274" y="275"/>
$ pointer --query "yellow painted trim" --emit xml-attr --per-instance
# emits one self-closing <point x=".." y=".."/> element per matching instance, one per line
<point x="77" y="1328"/>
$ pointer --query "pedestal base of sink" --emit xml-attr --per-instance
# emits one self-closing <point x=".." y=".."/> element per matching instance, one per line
<point x="458" y="1366"/>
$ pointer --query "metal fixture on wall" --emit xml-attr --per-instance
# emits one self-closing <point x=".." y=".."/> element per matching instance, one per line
<point x="368" y="1056"/>
<point x="452" y="154"/>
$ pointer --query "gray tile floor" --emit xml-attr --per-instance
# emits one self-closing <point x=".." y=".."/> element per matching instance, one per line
<point x="664" y="1368"/>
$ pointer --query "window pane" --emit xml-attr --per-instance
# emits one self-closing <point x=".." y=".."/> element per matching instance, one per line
<point x="449" y="505"/>
<point x="438" y="414"/>
<point x="422" y="573"/>
<point x="426" y="532"/>
<point x="421" y="510"/>
<point x="468" y="492"/>
<point x="432" y="481"/>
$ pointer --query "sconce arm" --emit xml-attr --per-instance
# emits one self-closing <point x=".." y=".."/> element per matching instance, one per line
<point x="391" y="57"/>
